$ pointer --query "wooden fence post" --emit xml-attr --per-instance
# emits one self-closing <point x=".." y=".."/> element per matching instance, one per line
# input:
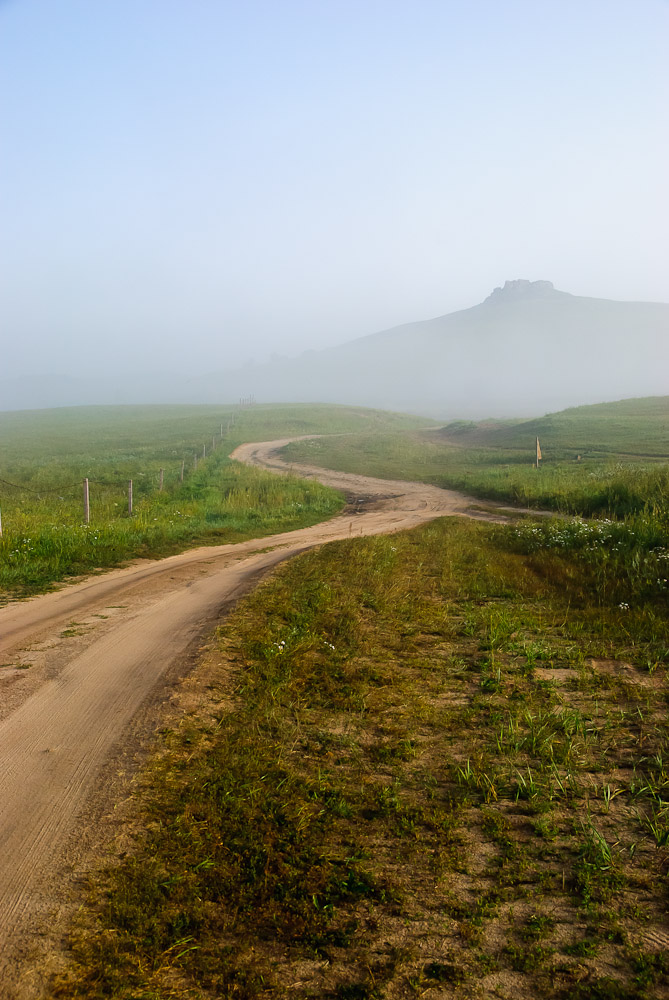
<point x="204" y="451"/>
<point x="87" y="503"/>
<point x="183" y="464"/>
<point x="130" y="497"/>
<point x="162" y="477"/>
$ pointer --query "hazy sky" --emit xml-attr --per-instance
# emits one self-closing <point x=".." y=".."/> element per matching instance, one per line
<point x="189" y="183"/>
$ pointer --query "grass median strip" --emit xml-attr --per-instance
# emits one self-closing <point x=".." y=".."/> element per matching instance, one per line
<point x="419" y="767"/>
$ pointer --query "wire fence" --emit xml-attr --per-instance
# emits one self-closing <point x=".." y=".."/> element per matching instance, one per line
<point x="81" y="488"/>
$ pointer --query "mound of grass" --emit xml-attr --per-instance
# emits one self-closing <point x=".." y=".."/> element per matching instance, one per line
<point x="426" y="761"/>
<point x="630" y="427"/>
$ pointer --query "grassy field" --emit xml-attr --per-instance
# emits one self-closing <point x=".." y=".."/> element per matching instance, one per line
<point x="46" y="454"/>
<point x="633" y="427"/>
<point x="432" y="764"/>
<point x="615" y="475"/>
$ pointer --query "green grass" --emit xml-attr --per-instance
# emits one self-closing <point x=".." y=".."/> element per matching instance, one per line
<point x="610" y="488"/>
<point x="46" y="454"/>
<point x="619" y="557"/>
<point x="435" y="761"/>
<point x="425" y="759"/>
<point x="621" y="472"/>
<point x="629" y="427"/>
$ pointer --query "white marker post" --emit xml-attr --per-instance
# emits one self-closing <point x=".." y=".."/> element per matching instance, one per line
<point x="87" y="504"/>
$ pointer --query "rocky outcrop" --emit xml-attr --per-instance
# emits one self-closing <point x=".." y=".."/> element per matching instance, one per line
<point x="521" y="288"/>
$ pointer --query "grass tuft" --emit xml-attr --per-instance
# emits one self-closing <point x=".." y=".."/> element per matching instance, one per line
<point x="356" y="814"/>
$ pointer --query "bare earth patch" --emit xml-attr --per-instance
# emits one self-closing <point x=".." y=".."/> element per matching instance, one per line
<point x="374" y="792"/>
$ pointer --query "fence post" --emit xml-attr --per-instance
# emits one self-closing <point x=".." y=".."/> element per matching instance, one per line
<point x="130" y="497"/>
<point x="87" y="504"/>
<point x="162" y="476"/>
<point x="204" y="451"/>
<point x="183" y="463"/>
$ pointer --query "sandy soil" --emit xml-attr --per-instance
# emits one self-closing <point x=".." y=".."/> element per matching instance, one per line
<point x="84" y="673"/>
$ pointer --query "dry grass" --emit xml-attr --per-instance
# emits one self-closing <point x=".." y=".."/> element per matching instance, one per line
<point x="419" y="766"/>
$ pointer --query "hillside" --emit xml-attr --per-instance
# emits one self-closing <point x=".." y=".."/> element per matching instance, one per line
<point x="528" y="348"/>
<point x="630" y="427"/>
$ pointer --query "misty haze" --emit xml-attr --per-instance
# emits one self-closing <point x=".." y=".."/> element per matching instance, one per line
<point x="334" y="500"/>
<point x="527" y="349"/>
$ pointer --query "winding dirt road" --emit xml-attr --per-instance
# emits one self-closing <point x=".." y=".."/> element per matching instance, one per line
<point x="79" y="665"/>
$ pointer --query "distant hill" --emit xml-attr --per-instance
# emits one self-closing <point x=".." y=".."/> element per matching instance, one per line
<point x="629" y="427"/>
<point x="528" y="348"/>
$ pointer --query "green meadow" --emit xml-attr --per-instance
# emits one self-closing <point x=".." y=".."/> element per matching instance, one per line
<point x="607" y="460"/>
<point x="45" y="455"/>
<point x="428" y="764"/>
<point x="623" y="545"/>
<point x="633" y="427"/>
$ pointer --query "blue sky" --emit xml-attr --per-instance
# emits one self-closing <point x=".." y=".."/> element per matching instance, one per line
<point x="185" y="185"/>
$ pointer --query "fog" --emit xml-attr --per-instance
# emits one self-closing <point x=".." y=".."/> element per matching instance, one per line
<point x="190" y="187"/>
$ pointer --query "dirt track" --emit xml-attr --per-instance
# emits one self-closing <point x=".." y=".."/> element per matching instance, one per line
<point x="81" y="663"/>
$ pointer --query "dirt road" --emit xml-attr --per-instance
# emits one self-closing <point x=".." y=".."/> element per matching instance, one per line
<point x="78" y="666"/>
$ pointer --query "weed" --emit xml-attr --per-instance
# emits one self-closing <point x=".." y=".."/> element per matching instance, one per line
<point x="537" y="926"/>
<point x="657" y="822"/>
<point x="597" y="871"/>
<point x="602" y="988"/>
<point x="527" y="958"/>
<point x="444" y="972"/>
<point x="650" y="969"/>
<point x="587" y="948"/>
<point x="546" y="827"/>
<point x="352" y="795"/>
<point x="357" y="991"/>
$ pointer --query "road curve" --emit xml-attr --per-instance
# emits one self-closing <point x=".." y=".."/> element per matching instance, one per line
<point x="61" y="718"/>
